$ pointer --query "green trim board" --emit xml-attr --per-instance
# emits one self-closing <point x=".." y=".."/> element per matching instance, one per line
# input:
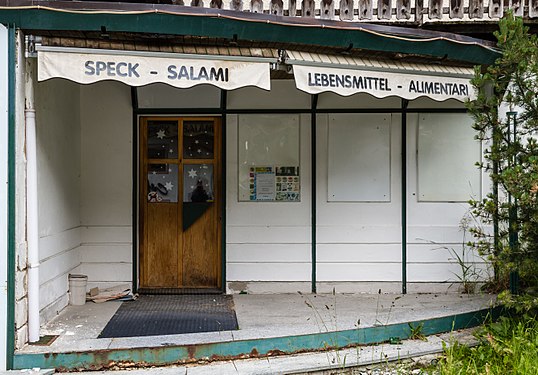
<point x="12" y="59"/>
<point x="313" y="184"/>
<point x="216" y="111"/>
<point x="134" y="191"/>
<point x="223" y="105"/>
<point x="237" y="27"/>
<point x="168" y="355"/>
<point x="403" y="135"/>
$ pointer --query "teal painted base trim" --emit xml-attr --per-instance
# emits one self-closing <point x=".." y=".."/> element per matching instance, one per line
<point x="161" y="356"/>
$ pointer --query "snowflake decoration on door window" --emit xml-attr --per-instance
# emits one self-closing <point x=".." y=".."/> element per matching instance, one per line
<point x="193" y="174"/>
<point x="169" y="186"/>
<point x="161" y="134"/>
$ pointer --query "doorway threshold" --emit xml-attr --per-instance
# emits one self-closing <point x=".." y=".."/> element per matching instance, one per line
<point x="193" y="291"/>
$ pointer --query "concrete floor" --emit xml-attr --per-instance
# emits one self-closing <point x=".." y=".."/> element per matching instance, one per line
<point x="263" y="316"/>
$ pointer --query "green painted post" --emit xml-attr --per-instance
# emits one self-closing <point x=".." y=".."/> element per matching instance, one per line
<point x="405" y="103"/>
<point x="313" y="179"/>
<point x="134" y="203"/>
<point x="223" y="111"/>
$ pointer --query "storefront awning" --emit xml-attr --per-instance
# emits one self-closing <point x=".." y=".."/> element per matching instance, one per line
<point x="138" y="68"/>
<point x="346" y="75"/>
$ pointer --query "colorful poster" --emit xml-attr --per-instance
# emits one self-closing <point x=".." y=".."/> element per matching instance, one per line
<point x="288" y="186"/>
<point x="275" y="184"/>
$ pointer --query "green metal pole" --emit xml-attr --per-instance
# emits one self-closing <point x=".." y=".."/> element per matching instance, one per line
<point x="223" y="111"/>
<point x="134" y="198"/>
<point x="404" y="195"/>
<point x="313" y="180"/>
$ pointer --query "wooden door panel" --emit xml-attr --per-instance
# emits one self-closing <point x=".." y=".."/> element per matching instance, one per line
<point x="201" y="252"/>
<point x="161" y="253"/>
<point x="174" y="254"/>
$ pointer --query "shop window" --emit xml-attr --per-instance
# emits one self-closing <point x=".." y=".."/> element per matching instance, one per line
<point x="359" y="158"/>
<point x="447" y="153"/>
<point x="269" y="167"/>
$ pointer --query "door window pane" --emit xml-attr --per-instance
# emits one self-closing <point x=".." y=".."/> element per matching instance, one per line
<point x="162" y="183"/>
<point x="198" y="183"/>
<point x="162" y="140"/>
<point x="198" y="139"/>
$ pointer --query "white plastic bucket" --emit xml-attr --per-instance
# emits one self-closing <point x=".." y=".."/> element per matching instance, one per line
<point x="77" y="289"/>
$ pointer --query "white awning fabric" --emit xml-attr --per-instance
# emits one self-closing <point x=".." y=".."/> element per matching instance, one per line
<point x="137" y="68"/>
<point x="345" y="75"/>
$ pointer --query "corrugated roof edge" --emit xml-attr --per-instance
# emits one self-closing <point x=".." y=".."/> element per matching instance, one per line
<point x="182" y="20"/>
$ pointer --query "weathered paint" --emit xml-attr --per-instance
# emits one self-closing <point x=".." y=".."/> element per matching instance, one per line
<point x="161" y="356"/>
<point x="221" y="26"/>
<point x="4" y="156"/>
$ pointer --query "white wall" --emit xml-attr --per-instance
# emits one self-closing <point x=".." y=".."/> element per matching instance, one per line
<point x="4" y="100"/>
<point x="435" y="231"/>
<point x="268" y="244"/>
<point x="106" y="183"/>
<point x="359" y="241"/>
<point x="21" y="328"/>
<point x="58" y="158"/>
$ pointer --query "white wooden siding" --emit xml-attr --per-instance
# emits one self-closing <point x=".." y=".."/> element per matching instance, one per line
<point x="358" y="241"/>
<point x="58" y="157"/>
<point x="268" y="241"/>
<point x="433" y="227"/>
<point x="106" y="194"/>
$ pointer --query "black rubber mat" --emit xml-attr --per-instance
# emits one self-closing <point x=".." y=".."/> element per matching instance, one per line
<point x="152" y="315"/>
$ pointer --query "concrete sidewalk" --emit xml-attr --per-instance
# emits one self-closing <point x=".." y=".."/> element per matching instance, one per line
<point x="268" y="325"/>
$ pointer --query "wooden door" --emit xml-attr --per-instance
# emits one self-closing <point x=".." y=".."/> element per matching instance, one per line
<point x="180" y="192"/>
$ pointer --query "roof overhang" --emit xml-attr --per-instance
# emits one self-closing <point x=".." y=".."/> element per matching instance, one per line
<point x="219" y="23"/>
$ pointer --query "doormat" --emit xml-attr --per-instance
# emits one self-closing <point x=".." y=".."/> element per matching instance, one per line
<point x="152" y="315"/>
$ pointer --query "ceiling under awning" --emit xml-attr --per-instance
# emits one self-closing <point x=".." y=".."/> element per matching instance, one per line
<point x="139" y="68"/>
<point x="346" y="75"/>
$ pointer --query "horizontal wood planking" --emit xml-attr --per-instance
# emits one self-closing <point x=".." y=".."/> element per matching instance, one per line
<point x="359" y="271"/>
<point x="52" y="245"/>
<point x="106" y="234"/>
<point x="438" y="272"/>
<point x="359" y="253"/>
<point x="441" y="253"/>
<point x="268" y="271"/>
<point x="109" y="252"/>
<point x="420" y="234"/>
<point x="54" y="293"/>
<point x="104" y="272"/>
<point x="268" y="253"/>
<point x="267" y="234"/>
<point x="358" y="234"/>
<point x="59" y="265"/>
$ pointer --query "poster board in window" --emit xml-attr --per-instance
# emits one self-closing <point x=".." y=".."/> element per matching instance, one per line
<point x="269" y="167"/>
